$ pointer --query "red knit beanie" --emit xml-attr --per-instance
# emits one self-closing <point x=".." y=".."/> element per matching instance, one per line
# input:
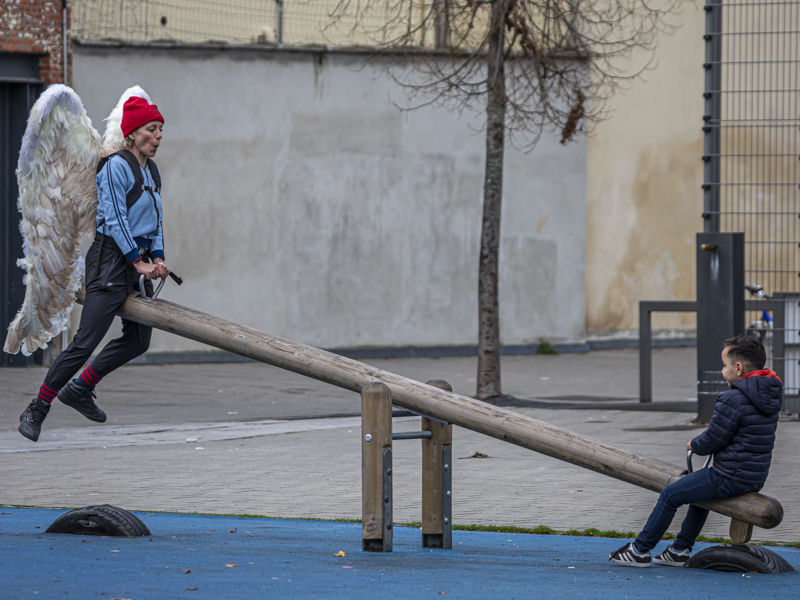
<point x="136" y="112"/>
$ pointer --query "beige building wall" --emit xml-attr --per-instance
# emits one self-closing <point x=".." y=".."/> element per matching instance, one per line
<point x="644" y="188"/>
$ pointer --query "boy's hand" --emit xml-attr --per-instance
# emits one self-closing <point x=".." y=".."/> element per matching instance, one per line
<point x="688" y="445"/>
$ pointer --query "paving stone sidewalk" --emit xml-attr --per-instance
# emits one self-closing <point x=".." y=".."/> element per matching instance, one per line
<point x="305" y="462"/>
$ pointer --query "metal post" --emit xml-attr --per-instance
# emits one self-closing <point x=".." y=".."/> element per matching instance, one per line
<point x="720" y="310"/>
<point x="712" y="115"/>
<point x="437" y="477"/>
<point x="645" y="354"/>
<point x="64" y="59"/>
<point x="412" y="435"/>
<point x="376" y="468"/>
<point x="280" y="21"/>
<point x="779" y="338"/>
<point x="646" y="310"/>
<point x="442" y="23"/>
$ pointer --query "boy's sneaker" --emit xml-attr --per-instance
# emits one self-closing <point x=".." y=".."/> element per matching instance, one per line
<point x="628" y="557"/>
<point x="672" y="558"/>
<point x="81" y="398"/>
<point x="30" y="421"/>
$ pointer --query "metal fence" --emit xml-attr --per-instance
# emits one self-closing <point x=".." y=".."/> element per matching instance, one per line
<point x="752" y="176"/>
<point x="288" y="22"/>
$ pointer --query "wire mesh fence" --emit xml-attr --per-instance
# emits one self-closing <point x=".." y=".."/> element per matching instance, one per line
<point x="752" y="178"/>
<point x="289" y="22"/>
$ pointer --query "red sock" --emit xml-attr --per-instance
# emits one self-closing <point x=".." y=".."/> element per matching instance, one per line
<point x="47" y="393"/>
<point x="89" y="378"/>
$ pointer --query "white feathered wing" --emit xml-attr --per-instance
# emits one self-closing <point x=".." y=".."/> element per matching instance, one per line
<point x="58" y="202"/>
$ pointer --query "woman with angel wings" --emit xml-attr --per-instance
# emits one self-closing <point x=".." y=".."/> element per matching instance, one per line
<point x="62" y="201"/>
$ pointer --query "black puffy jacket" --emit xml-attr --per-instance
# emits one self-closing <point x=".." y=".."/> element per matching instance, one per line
<point x="741" y="433"/>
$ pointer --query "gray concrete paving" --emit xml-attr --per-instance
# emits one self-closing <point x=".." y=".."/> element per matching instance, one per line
<point x="273" y="443"/>
<point x="247" y="391"/>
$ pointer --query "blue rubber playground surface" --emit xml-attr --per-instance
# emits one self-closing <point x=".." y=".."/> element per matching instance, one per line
<point x="207" y="557"/>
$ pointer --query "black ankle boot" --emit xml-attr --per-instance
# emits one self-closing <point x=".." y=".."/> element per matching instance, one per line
<point x="81" y="398"/>
<point x="30" y="421"/>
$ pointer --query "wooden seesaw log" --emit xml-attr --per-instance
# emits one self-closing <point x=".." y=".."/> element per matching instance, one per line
<point x="751" y="508"/>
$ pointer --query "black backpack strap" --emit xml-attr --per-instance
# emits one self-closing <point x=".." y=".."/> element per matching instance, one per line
<point x="156" y="175"/>
<point x="138" y="180"/>
<point x="102" y="163"/>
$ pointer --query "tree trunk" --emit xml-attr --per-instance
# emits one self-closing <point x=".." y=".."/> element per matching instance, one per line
<point x="488" y="306"/>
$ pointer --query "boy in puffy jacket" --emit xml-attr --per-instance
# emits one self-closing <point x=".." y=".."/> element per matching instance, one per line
<point x="740" y="435"/>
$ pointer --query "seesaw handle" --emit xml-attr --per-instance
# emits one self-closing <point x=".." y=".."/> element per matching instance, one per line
<point x="689" y="461"/>
<point x="143" y="293"/>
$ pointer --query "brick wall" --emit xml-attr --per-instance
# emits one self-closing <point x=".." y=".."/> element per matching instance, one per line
<point x="34" y="27"/>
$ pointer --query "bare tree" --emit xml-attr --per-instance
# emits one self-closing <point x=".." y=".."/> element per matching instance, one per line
<point x="534" y="65"/>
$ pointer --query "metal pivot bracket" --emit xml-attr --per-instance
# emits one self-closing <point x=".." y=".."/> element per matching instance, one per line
<point x="444" y="539"/>
<point x="388" y="501"/>
<point x="384" y="544"/>
<point x="447" y="498"/>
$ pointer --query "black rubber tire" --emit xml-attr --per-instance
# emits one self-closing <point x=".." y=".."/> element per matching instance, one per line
<point x="100" y="520"/>
<point x="739" y="558"/>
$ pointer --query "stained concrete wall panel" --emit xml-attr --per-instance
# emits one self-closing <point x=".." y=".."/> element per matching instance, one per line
<point x="645" y="199"/>
<point x="298" y="199"/>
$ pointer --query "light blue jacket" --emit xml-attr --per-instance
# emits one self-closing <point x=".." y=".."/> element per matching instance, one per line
<point x="132" y="228"/>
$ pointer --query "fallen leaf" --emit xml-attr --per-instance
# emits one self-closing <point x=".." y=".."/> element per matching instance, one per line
<point x="86" y="541"/>
<point x="231" y="565"/>
<point x="194" y="589"/>
<point x="442" y="593"/>
<point x="232" y="530"/>
<point x="186" y="571"/>
<point x="340" y="553"/>
<point x="475" y="454"/>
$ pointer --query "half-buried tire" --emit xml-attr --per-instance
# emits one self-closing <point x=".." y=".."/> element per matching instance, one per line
<point x="100" y="520"/>
<point x="739" y="558"/>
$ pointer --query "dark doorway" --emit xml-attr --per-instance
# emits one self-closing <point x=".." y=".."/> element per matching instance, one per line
<point x="19" y="89"/>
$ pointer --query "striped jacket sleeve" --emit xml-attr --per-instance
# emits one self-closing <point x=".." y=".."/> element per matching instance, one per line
<point x="113" y="183"/>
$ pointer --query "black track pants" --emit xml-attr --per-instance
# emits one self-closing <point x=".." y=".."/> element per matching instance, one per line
<point x="109" y="276"/>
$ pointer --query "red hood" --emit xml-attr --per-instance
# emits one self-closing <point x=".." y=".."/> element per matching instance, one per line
<point x="762" y="373"/>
